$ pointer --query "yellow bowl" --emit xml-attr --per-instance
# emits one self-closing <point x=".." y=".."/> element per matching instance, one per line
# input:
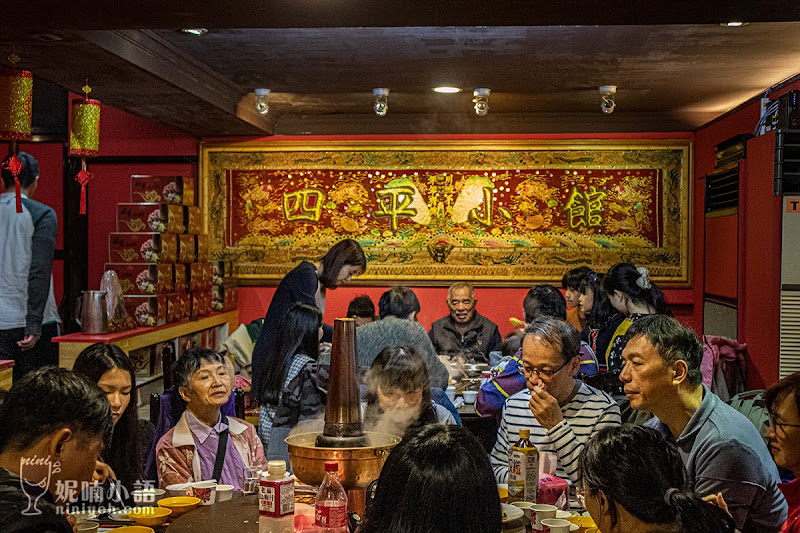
<point x="150" y="516"/>
<point x="134" y="529"/>
<point x="583" y="522"/>
<point x="179" y="504"/>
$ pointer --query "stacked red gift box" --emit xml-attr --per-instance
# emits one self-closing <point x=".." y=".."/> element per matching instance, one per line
<point x="161" y="256"/>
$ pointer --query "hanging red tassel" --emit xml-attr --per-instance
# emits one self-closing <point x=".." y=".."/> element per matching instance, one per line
<point x="15" y="166"/>
<point x="83" y="177"/>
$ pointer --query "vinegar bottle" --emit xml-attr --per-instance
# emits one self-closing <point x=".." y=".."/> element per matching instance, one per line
<point x="276" y="500"/>
<point x="523" y="469"/>
<point x="330" y="513"/>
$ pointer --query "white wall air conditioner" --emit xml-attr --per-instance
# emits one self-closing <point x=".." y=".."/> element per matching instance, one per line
<point x="790" y="287"/>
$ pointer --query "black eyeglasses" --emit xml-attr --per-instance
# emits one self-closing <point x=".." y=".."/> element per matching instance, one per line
<point x="544" y="373"/>
<point x="773" y="423"/>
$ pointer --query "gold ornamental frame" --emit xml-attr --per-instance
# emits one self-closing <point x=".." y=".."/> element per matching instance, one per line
<point x="261" y="258"/>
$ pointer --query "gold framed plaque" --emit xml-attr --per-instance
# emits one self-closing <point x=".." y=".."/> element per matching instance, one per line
<point x="431" y="213"/>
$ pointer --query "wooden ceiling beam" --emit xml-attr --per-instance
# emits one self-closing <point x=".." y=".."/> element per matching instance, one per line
<point x="160" y="58"/>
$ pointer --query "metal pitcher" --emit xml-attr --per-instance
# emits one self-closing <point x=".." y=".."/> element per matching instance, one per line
<point x="92" y="312"/>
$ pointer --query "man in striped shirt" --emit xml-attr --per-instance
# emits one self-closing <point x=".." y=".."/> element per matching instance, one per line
<point x="561" y="412"/>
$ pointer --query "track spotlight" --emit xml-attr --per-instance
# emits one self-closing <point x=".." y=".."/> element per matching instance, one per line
<point x="262" y="100"/>
<point x="607" y="94"/>
<point x="381" y="101"/>
<point x="481" y="101"/>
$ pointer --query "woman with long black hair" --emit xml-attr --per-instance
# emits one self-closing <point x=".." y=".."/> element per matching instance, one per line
<point x="287" y="390"/>
<point x="307" y="283"/>
<point x="634" y="482"/>
<point x="438" y="479"/>
<point x="633" y="295"/>
<point x="111" y="368"/>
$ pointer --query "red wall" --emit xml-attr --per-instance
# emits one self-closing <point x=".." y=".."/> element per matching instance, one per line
<point x="758" y="236"/>
<point x="494" y="303"/>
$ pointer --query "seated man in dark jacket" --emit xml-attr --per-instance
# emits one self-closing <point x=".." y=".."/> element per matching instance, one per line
<point x="60" y="423"/>
<point x="464" y="333"/>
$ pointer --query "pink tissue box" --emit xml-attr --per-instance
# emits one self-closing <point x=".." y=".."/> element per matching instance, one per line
<point x="550" y="490"/>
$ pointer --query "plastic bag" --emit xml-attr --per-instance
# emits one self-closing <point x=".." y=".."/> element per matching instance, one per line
<point x="118" y="319"/>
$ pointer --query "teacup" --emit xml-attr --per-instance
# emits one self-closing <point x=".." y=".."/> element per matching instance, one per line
<point x="539" y="512"/>
<point x="451" y="393"/>
<point x="555" y="525"/>
<point x="224" y="493"/>
<point x="525" y="506"/>
<point x="147" y="497"/>
<point x="179" y="489"/>
<point x="206" y="491"/>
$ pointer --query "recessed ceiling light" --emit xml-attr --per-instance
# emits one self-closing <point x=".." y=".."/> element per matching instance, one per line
<point x="447" y="90"/>
<point x="195" y="31"/>
<point x="734" y="24"/>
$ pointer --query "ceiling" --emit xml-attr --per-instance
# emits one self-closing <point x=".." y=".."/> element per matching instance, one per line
<point x="675" y="67"/>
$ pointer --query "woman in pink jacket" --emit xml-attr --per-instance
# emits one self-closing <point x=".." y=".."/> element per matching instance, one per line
<point x="205" y="444"/>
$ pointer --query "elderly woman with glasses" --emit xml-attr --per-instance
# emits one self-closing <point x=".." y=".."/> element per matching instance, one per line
<point x="205" y="444"/>
<point x="783" y="404"/>
<point x="561" y="412"/>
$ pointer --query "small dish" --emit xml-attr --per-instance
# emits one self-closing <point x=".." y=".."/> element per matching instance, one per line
<point x="179" y="504"/>
<point x="470" y="396"/>
<point x="150" y="516"/>
<point x="133" y="529"/>
<point x="122" y="515"/>
<point x="511" y="513"/>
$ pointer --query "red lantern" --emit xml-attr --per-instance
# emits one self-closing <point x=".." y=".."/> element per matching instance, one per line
<point x="84" y="137"/>
<point x="16" y="96"/>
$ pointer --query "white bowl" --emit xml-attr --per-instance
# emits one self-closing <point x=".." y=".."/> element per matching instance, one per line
<point x="179" y="489"/>
<point x="224" y="492"/>
<point x="147" y="497"/>
<point x="470" y="396"/>
<point x="206" y="491"/>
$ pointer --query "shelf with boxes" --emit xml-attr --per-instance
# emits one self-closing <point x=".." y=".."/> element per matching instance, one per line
<point x="171" y="288"/>
<point x="161" y="257"/>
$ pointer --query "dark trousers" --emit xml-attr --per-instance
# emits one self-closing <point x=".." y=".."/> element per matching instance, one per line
<point x="45" y="353"/>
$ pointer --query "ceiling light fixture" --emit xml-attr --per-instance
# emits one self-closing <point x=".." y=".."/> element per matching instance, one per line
<point x="194" y="31"/>
<point x="381" y="101"/>
<point x="262" y="100"/>
<point x="481" y="101"/>
<point x="607" y="94"/>
<point x="447" y="90"/>
<point x="734" y="24"/>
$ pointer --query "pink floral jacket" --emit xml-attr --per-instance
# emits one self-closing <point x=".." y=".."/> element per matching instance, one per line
<point x="177" y="461"/>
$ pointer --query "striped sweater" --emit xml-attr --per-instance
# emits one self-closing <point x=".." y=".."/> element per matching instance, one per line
<point x="585" y="411"/>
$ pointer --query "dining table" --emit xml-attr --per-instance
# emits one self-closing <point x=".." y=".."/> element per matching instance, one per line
<point x="237" y="515"/>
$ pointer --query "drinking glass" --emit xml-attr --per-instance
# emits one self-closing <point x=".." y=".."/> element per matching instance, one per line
<point x="251" y="477"/>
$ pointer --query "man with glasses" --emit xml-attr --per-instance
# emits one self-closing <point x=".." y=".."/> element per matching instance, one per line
<point x="561" y="412"/>
<point x="541" y="300"/>
<point x="783" y="404"/>
<point x="720" y="448"/>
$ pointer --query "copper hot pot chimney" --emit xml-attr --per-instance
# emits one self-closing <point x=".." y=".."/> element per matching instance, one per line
<point x="343" y="424"/>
